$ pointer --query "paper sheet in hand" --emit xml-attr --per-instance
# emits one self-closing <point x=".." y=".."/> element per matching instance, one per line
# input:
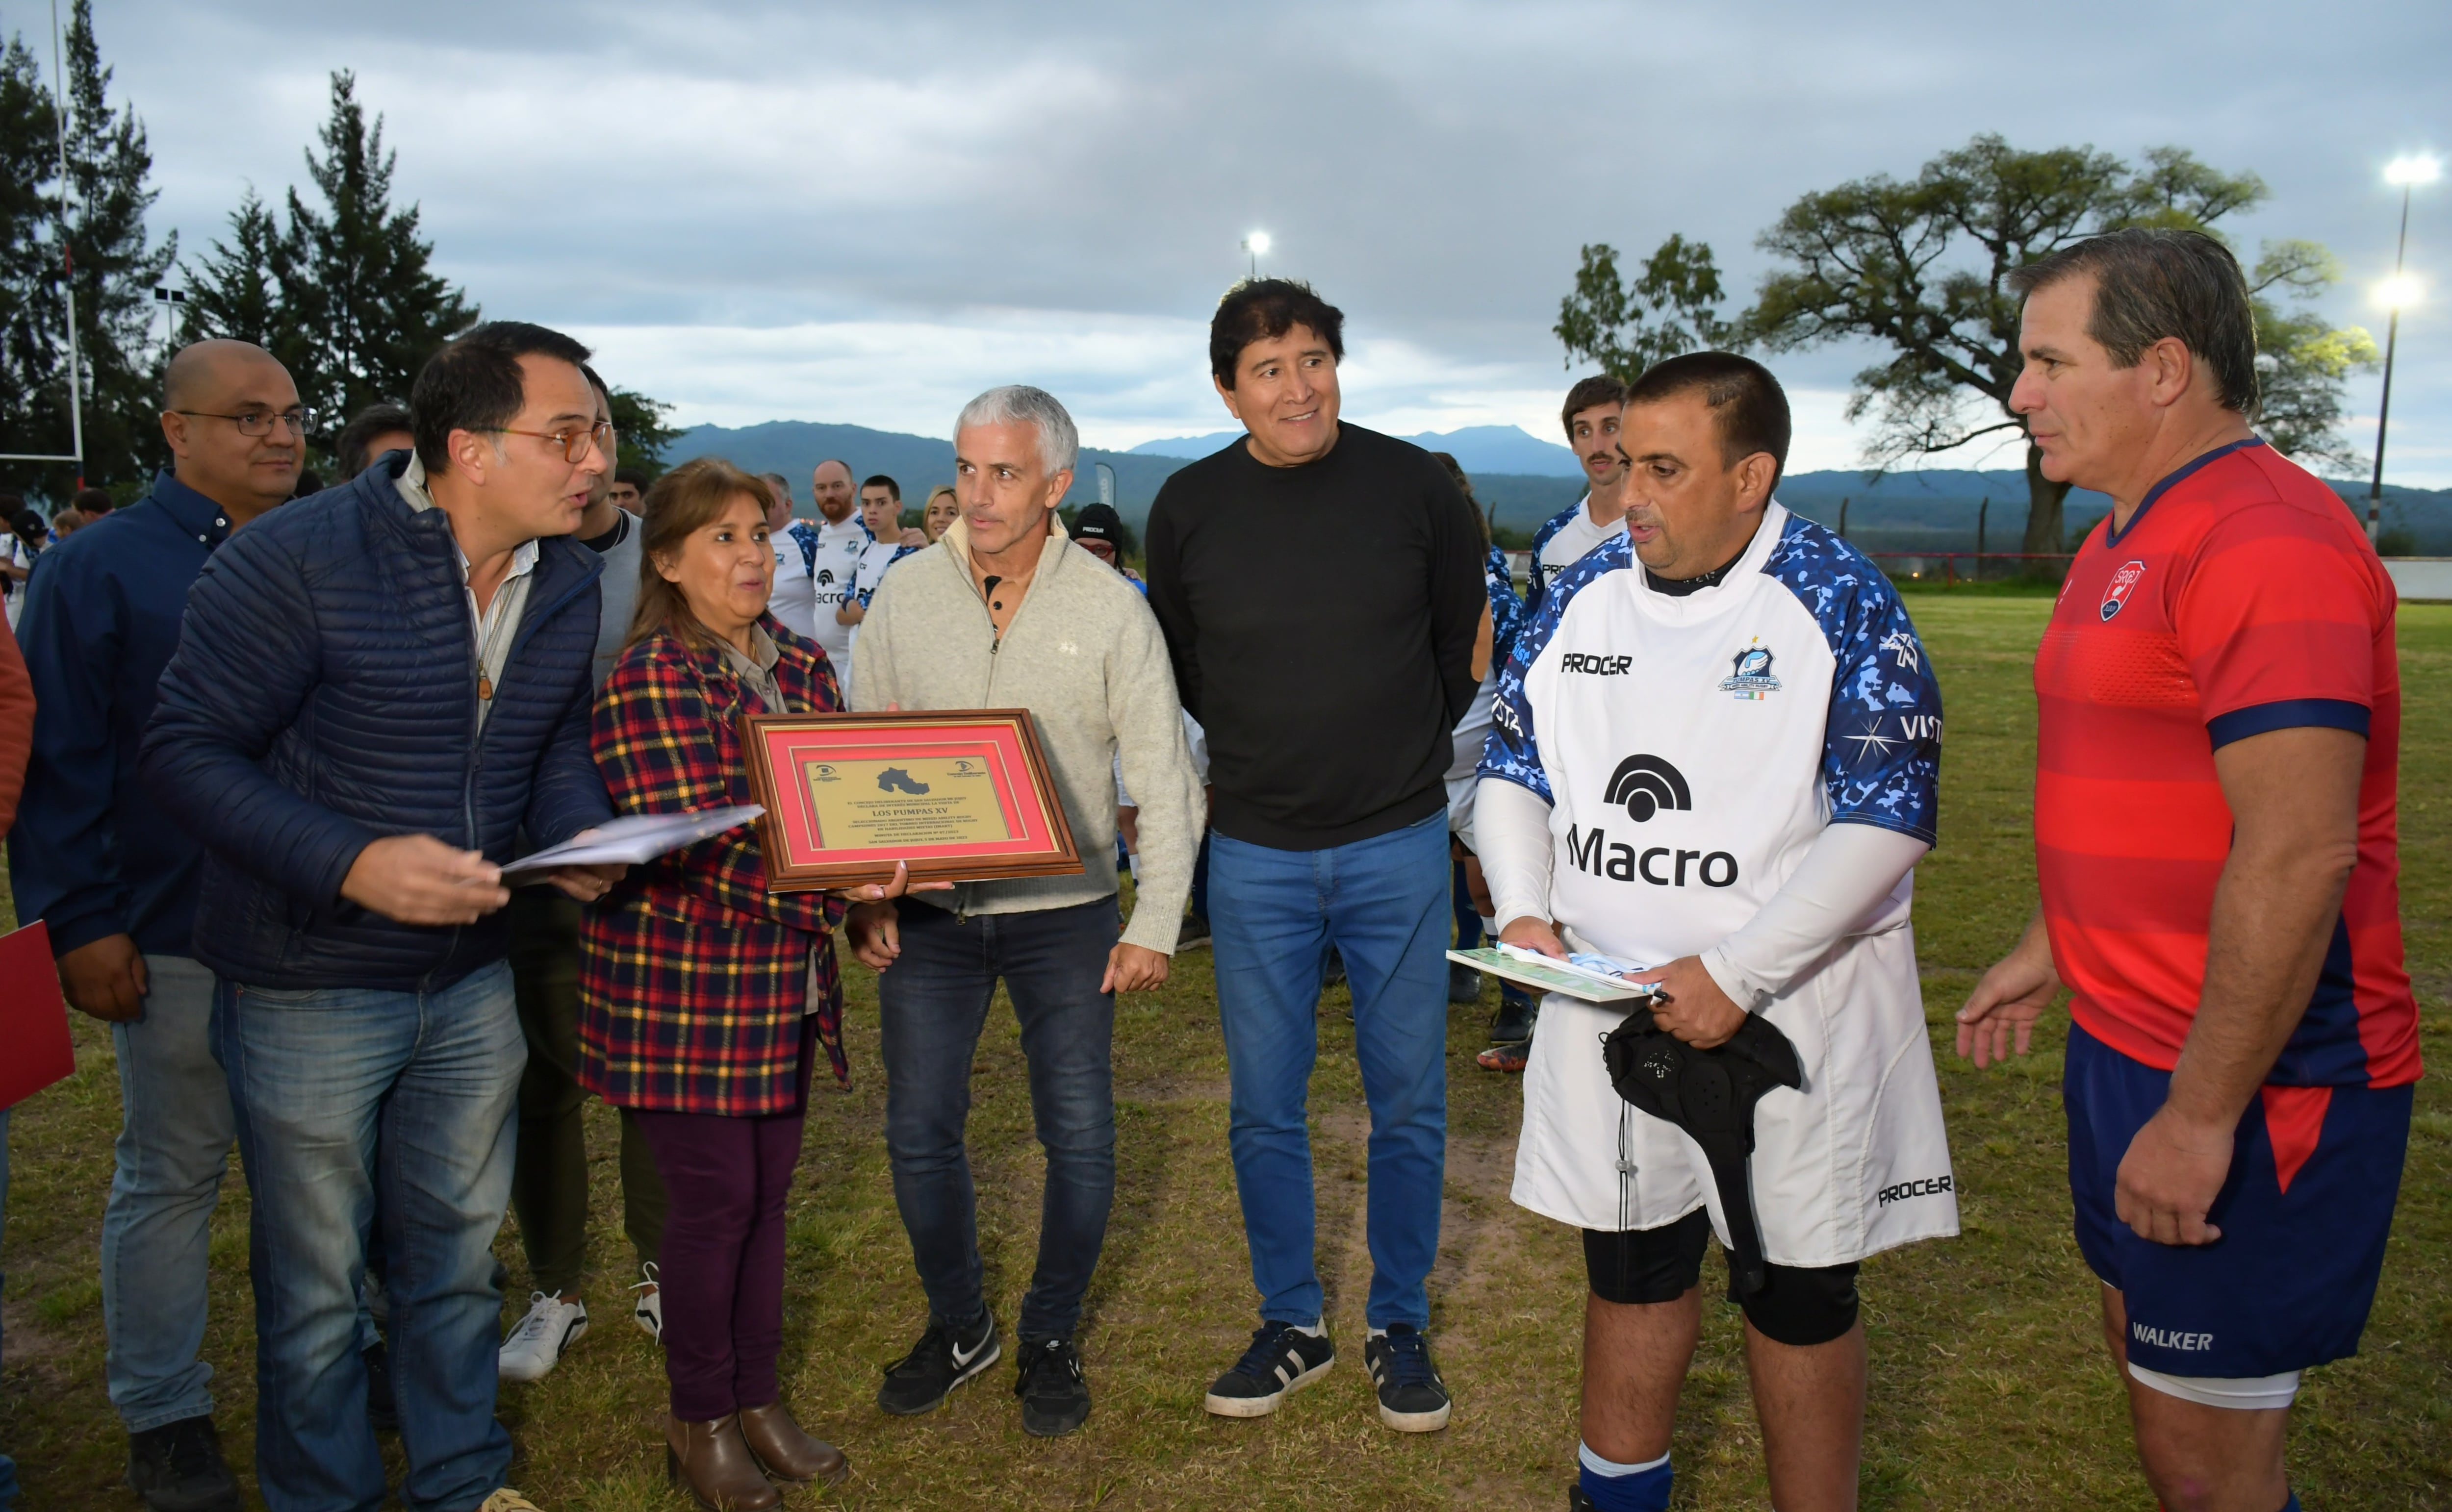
<point x="630" y="839"/>
<point x="1546" y="974"/>
<point x="34" y="1046"/>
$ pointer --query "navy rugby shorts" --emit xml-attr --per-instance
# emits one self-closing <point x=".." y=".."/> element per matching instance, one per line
<point x="2304" y="1216"/>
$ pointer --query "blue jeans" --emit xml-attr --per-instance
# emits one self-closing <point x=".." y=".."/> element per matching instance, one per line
<point x="1383" y="904"/>
<point x="8" y="1466"/>
<point x="321" y="1080"/>
<point x="174" y="1150"/>
<point x="932" y="1004"/>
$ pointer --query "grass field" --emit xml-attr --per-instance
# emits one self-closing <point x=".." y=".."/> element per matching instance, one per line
<point x="1989" y="1386"/>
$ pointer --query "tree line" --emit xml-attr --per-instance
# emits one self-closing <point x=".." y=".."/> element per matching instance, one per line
<point x="1920" y="267"/>
<point x="337" y="282"/>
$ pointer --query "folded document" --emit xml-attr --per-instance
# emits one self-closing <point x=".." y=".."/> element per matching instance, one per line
<point x="629" y="840"/>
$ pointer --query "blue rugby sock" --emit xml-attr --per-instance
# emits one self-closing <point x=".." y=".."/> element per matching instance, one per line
<point x="1615" y="1488"/>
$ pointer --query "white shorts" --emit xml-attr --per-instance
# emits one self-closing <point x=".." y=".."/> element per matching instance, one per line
<point x="1854" y="1163"/>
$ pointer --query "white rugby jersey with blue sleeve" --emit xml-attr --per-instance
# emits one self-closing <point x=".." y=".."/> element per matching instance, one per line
<point x="1690" y="749"/>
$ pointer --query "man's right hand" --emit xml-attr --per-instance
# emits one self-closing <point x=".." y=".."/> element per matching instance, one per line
<point x="875" y="932"/>
<point x="2010" y="998"/>
<point x="1534" y="934"/>
<point x="106" y="978"/>
<point x="418" y="879"/>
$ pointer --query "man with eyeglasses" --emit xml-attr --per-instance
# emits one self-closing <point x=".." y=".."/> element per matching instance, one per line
<point x="375" y="694"/>
<point x="98" y="859"/>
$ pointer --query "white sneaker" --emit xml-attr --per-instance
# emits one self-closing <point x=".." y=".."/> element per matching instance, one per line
<point x="648" y="1306"/>
<point x="536" y="1345"/>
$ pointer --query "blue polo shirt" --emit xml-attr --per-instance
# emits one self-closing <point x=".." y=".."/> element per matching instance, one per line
<point x="92" y="855"/>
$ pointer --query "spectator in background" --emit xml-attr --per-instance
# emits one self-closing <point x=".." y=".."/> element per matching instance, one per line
<point x="1098" y="530"/>
<point x="793" y="601"/>
<point x="374" y="430"/>
<point x="1510" y="1028"/>
<point x="706" y="997"/>
<point x="318" y="731"/>
<point x="880" y="514"/>
<point x="91" y="502"/>
<point x="885" y="524"/>
<point x="106" y="866"/>
<point x="837" y="537"/>
<point x="68" y="522"/>
<point x="942" y="510"/>
<point x="627" y="490"/>
<point x="1590" y="416"/>
<point x="18" y="549"/>
<point x="1084" y="656"/>
<point x="1330" y="824"/>
<point x="16" y="734"/>
<point x="550" y="1176"/>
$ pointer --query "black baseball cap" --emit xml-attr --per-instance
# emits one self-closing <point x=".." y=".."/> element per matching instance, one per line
<point x="1100" y="522"/>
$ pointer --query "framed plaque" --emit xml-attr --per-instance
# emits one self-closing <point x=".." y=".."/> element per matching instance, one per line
<point x="958" y="795"/>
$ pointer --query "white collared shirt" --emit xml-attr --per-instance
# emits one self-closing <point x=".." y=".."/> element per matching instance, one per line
<point x="496" y="624"/>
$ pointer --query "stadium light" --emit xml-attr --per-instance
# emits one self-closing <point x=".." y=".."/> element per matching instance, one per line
<point x="2404" y="173"/>
<point x="1255" y="244"/>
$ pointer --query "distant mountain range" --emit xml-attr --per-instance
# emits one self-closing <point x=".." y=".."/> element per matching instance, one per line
<point x="1476" y="448"/>
<point x="1937" y="510"/>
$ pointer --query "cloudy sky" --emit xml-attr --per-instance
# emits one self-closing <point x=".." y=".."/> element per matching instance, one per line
<point x="866" y="213"/>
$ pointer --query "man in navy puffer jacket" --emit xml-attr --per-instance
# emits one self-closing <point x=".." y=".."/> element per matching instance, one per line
<point x="376" y="691"/>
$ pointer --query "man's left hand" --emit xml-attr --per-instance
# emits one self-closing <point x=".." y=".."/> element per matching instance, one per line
<point x="1695" y="1010"/>
<point x="2173" y="1170"/>
<point x="587" y="883"/>
<point x="1133" y="968"/>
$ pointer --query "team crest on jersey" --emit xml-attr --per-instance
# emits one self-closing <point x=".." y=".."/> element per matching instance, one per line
<point x="2123" y="582"/>
<point x="1750" y="674"/>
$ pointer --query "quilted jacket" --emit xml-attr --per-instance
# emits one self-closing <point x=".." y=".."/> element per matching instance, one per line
<point x="694" y="978"/>
<point x="324" y="696"/>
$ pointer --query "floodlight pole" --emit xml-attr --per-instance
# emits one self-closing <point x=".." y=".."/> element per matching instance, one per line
<point x="2391" y="339"/>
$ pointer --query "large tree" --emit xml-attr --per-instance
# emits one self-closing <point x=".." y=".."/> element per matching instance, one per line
<point x="1673" y="308"/>
<point x="361" y="307"/>
<point x="235" y="290"/>
<point x="1920" y="266"/>
<point x="34" y="388"/>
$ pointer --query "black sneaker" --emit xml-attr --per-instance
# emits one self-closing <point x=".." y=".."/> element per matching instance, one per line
<point x="1055" y="1399"/>
<point x="1413" y="1399"/>
<point x="1195" y="933"/>
<point x="1578" y="1501"/>
<point x="1513" y="1023"/>
<point x="383" y="1411"/>
<point x="1464" y="983"/>
<point x="1282" y="1361"/>
<point x="178" y="1467"/>
<point x="943" y="1359"/>
<point x="1333" y="976"/>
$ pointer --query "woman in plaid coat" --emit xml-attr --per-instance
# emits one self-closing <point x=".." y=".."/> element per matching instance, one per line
<point x="702" y="995"/>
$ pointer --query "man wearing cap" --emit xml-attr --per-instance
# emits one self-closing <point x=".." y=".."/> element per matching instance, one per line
<point x="1100" y="531"/>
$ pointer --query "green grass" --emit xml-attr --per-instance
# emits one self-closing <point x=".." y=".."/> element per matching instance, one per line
<point x="1989" y="1383"/>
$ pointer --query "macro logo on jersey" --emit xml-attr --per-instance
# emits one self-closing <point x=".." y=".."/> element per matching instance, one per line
<point x="2123" y="582"/>
<point x="1750" y="674"/>
<point x="1646" y="785"/>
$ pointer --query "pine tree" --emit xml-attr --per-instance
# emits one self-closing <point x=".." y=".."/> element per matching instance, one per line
<point x="235" y="291"/>
<point x="34" y="394"/>
<point x="113" y="269"/>
<point x="365" y="310"/>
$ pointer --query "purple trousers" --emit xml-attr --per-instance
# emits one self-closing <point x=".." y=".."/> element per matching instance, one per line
<point x="722" y="1268"/>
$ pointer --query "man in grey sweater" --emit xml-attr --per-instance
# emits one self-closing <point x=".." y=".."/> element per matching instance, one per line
<point x="1005" y="612"/>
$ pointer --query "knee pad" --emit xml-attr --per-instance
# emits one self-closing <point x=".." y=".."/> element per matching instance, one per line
<point x="1646" y="1265"/>
<point x="1802" y="1305"/>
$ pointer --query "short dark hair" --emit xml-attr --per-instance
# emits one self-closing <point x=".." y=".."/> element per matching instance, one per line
<point x="880" y="480"/>
<point x="1743" y="396"/>
<point x="361" y="431"/>
<point x="636" y="477"/>
<point x="1261" y="309"/>
<point x="475" y="384"/>
<point x="2152" y="282"/>
<point x="1598" y="389"/>
<point x="90" y="502"/>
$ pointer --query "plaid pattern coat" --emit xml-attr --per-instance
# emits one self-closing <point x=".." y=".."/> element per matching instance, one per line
<point x="694" y="977"/>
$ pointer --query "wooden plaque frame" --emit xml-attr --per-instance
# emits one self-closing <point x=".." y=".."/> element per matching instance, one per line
<point x="798" y="854"/>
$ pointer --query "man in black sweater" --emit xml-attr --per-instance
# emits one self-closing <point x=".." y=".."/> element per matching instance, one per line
<point x="1328" y="681"/>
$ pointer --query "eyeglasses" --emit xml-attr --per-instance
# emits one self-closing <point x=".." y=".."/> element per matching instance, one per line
<point x="574" y="443"/>
<point x="259" y="422"/>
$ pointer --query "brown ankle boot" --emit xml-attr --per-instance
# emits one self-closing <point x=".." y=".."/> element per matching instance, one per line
<point x="712" y="1461"/>
<point x="787" y="1451"/>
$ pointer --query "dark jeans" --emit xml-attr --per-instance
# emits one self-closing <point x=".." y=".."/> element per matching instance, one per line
<point x="933" y="1002"/>
<point x="1201" y="880"/>
<point x="722" y="1265"/>
<point x="549" y="1180"/>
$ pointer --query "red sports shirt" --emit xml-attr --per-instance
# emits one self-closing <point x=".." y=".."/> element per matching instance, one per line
<point x="2241" y="599"/>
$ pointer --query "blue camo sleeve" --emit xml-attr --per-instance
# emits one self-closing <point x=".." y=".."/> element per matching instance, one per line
<point x="1880" y="758"/>
<point x="1506" y="607"/>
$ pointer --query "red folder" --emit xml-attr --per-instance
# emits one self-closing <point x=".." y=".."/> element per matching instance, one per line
<point x="34" y="1049"/>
